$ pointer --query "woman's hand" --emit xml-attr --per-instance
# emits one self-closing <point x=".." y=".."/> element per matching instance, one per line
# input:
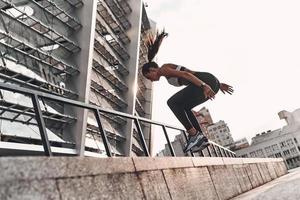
<point x="226" y="88"/>
<point x="208" y="92"/>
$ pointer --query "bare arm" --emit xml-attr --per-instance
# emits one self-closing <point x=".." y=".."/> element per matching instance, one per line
<point x="168" y="71"/>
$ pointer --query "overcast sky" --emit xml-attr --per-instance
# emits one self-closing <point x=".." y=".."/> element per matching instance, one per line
<point x="254" y="45"/>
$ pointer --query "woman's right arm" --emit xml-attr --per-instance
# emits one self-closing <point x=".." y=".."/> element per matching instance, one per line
<point x="226" y="88"/>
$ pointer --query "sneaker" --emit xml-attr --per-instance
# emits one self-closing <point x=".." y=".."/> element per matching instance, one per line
<point x="201" y="146"/>
<point x="193" y="140"/>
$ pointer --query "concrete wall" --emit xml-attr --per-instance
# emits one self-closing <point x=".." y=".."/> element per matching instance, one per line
<point x="133" y="178"/>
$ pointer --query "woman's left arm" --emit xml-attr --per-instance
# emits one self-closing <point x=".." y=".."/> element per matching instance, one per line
<point x="170" y="72"/>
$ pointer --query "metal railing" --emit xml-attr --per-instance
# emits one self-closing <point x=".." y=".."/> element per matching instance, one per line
<point x="213" y="150"/>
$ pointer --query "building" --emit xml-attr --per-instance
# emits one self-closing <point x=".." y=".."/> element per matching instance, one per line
<point x="239" y="144"/>
<point x="178" y="146"/>
<point x="219" y="133"/>
<point x="86" y="50"/>
<point x="204" y="119"/>
<point x="282" y="142"/>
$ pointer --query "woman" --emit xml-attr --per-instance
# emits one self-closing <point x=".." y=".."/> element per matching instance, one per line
<point x="200" y="86"/>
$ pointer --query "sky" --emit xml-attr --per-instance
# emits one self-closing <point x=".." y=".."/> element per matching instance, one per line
<point x="253" y="45"/>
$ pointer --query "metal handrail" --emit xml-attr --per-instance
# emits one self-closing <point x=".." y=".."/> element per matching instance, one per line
<point x="35" y="95"/>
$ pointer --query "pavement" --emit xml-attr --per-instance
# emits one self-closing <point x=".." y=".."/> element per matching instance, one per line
<point x="286" y="187"/>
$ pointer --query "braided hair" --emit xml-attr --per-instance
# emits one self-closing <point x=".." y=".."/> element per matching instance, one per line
<point x="153" y="45"/>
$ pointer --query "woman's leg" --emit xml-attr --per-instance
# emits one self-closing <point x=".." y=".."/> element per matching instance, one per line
<point x="193" y="119"/>
<point x="184" y="99"/>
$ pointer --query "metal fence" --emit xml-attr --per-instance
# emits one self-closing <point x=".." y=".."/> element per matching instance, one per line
<point x="214" y="150"/>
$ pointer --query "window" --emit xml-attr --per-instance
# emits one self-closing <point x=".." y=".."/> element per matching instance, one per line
<point x="18" y="12"/>
<point x="293" y="150"/>
<point x="278" y="155"/>
<point x="50" y="47"/>
<point x="268" y="149"/>
<point x="286" y="152"/>
<point x="274" y="147"/>
<point x="289" y="142"/>
<point x="252" y="154"/>
<point x="260" y="153"/>
<point x="282" y="144"/>
<point x="295" y="140"/>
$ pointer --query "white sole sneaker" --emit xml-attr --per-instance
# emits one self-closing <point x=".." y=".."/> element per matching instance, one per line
<point x="200" y="147"/>
<point x="198" y="140"/>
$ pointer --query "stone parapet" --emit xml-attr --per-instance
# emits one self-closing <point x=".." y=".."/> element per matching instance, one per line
<point x="134" y="178"/>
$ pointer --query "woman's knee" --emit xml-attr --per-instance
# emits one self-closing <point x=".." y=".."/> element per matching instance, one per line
<point x="171" y="102"/>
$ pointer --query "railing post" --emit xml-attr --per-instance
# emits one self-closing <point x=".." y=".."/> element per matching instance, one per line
<point x="102" y="132"/>
<point x="186" y="139"/>
<point x="201" y="153"/>
<point x="41" y="124"/>
<point x="214" y="148"/>
<point x="223" y="152"/>
<point x="168" y="140"/>
<point x="208" y="150"/>
<point x="226" y="153"/>
<point x="219" y="150"/>
<point x="139" y="130"/>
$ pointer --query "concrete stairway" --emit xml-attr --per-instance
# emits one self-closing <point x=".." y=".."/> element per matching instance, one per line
<point x="134" y="178"/>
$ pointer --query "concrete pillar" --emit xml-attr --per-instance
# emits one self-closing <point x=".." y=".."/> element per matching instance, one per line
<point x="135" y="19"/>
<point x="81" y="82"/>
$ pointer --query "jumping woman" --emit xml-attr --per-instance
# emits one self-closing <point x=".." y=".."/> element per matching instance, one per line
<point x="200" y="86"/>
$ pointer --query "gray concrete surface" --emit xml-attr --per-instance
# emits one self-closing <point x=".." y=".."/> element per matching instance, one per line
<point x="285" y="187"/>
<point x="137" y="178"/>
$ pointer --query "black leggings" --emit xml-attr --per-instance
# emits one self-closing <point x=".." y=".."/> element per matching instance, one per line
<point x="183" y="101"/>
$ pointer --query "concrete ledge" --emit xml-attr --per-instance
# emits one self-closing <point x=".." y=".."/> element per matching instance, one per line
<point x="242" y="176"/>
<point x="41" y="189"/>
<point x="261" y="160"/>
<point x="154" y="185"/>
<point x="133" y="178"/>
<point x="33" y="168"/>
<point x="87" y="166"/>
<point x="190" y="183"/>
<point x="207" y="161"/>
<point x="225" y="181"/>
<point x="106" y="186"/>
<point x="233" y="161"/>
<point x="157" y="163"/>
<point x="254" y="175"/>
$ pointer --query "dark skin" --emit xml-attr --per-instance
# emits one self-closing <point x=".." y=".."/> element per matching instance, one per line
<point x="169" y="70"/>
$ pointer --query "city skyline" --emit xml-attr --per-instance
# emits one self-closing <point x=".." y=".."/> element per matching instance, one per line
<point x="254" y="46"/>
